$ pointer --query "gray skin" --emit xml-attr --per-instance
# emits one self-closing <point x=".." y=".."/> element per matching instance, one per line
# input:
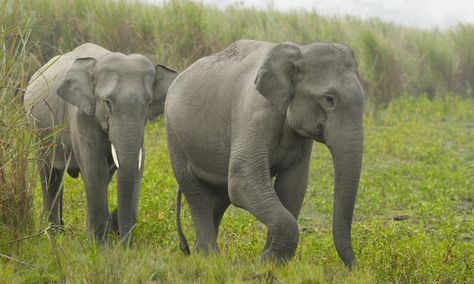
<point x="250" y="113"/>
<point x="82" y="103"/>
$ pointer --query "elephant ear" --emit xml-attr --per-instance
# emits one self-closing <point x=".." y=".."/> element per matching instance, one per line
<point x="164" y="78"/>
<point x="275" y="78"/>
<point x="77" y="85"/>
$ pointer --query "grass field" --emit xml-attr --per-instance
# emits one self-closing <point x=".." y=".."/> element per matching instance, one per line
<point x="414" y="217"/>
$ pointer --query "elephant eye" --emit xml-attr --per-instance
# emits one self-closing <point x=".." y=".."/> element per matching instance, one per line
<point x="329" y="100"/>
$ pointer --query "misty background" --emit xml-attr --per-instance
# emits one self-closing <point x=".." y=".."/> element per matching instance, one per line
<point x="425" y="14"/>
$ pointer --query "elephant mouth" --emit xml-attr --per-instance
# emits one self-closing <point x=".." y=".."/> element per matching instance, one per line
<point x="116" y="160"/>
<point x="319" y="133"/>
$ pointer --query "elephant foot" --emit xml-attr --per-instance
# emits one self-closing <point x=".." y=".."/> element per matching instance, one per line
<point x="277" y="255"/>
<point x="56" y="229"/>
<point x="56" y="225"/>
<point x="99" y="237"/>
<point x="114" y="222"/>
<point x="99" y="231"/>
<point x="206" y="248"/>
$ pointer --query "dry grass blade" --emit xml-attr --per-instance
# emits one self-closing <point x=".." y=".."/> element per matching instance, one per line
<point x="16" y="260"/>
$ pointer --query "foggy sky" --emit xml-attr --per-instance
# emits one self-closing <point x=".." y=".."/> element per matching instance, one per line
<point x="425" y="14"/>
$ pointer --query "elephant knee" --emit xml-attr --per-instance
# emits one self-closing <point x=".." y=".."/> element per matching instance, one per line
<point x="240" y="192"/>
<point x="234" y="195"/>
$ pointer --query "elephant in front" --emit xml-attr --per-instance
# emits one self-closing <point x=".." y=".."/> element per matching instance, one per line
<point x="241" y="124"/>
<point x="89" y="107"/>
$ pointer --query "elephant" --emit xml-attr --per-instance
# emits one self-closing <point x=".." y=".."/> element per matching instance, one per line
<point x="90" y="106"/>
<point x="240" y="128"/>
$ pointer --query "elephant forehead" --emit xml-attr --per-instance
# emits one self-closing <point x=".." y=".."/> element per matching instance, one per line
<point x="132" y="64"/>
<point x="122" y="75"/>
<point x="320" y="76"/>
<point x="129" y="88"/>
<point x="327" y="55"/>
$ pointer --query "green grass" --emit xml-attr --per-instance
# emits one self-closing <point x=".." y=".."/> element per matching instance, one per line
<point x="17" y="175"/>
<point x="393" y="60"/>
<point x="414" y="218"/>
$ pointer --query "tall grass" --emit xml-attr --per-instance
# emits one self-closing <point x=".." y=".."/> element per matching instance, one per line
<point x="463" y="38"/>
<point x="381" y="68"/>
<point x="17" y="171"/>
<point x="392" y="59"/>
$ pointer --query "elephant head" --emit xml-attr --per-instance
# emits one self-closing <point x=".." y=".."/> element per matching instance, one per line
<point x="317" y="89"/>
<point x="121" y="92"/>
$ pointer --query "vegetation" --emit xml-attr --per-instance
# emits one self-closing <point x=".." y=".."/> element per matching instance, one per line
<point x="17" y="178"/>
<point x="414" y="218"/>
<point x="393" y="60"/>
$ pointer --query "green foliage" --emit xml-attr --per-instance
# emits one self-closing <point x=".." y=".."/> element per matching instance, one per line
<point x="463" y="37"/>
<point x="414" y="218"/>
<point x="393" y="60"/>
<point x="382" y="68"/>
<point x="16" y="139"/>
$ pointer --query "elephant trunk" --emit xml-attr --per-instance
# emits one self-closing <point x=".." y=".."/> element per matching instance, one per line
<point x="128" y="154"/>
<point x="347" y="158"/>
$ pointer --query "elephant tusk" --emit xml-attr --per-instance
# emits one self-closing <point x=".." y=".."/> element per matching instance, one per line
<point x="114" y="156"/>
<point x="140" y="159"/>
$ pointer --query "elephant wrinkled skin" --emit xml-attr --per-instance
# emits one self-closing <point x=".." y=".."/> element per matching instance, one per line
<point x="92" y="105"/>
<point x="250" y="113"/>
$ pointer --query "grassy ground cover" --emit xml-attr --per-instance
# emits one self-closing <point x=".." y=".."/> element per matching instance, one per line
<point x="413" y="219"/>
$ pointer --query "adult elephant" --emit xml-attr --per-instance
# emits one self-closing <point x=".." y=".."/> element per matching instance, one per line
<point x="92" y="105"/>
<point x="250" y="113"/>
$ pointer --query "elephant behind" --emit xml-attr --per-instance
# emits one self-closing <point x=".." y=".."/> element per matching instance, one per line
<point x="250" y="113"/>
<point x="92" y="105"/>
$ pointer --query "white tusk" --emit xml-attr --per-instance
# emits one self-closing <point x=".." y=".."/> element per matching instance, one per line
<point x="140" y="159"/>
<point x="114" y="156"/>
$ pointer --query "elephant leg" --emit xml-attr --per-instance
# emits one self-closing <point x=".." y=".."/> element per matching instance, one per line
<point x="290" y="186"/>
<point x="291" y="196"/>
<point x="114" y="222"/>
<point x="52" y="193"/>
<point x="98" y="220"/>
<point x="96" y="179"/>
<point x="206" y="207"/>
<point x="219" y="210"/>
<point x="206" y="204"/>
<point x="263" y="203"/>
<point x="114" y="215"/>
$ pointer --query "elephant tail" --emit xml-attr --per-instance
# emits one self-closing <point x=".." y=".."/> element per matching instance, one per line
<point x="183" y="243"/>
